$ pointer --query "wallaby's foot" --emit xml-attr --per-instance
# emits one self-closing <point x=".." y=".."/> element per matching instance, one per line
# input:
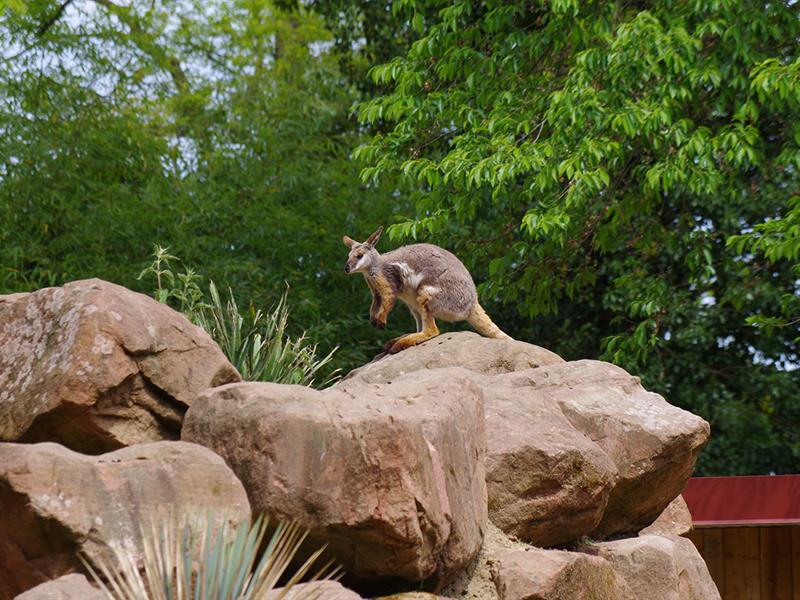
<point x="395" y="347"/>
<point x="387" y="347"/>
<point x="408" y="340"/>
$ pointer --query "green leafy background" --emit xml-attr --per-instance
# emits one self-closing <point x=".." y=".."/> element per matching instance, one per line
<point x="621" y="178"/>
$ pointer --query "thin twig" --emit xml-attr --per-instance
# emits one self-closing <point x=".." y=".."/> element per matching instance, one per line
<point x="44" y="27"/>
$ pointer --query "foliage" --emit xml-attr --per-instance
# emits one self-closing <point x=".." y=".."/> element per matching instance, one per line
<point x="190" y="558"/>
<point x="222" y="130"/>
<point x="621" y="177"/>
<point x="365" y="33"/>
<point x="257" y="344"/>
<point x="591" y="162"/>
<point x="179" y="289"/>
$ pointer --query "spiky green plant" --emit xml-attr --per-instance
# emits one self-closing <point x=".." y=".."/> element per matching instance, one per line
<point x="257" y="343"/>
<point x="193" y="560"/>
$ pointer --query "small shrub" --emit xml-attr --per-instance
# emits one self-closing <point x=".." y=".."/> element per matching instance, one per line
<point x="181" y="290"/>
<point x="255" y="342"/>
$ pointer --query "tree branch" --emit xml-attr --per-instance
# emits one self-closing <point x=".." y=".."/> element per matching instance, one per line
<point x="44" y="27"/>
<point x="146" y="44"/>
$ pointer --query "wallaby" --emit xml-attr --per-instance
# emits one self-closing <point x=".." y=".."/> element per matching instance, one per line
<point x="431" y="281"/>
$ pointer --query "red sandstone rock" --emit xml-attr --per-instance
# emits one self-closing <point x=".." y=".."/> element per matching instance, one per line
<point x="390" y="476"/>
<point x="96" y="367"/>
<point x="57" y="503"/>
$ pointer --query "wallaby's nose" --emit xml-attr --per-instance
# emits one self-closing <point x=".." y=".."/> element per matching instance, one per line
<point x="347" y="268"/>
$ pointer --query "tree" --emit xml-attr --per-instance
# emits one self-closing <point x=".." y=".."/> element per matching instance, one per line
<point x="220" y="130"/>
<point x="592" y="161"/>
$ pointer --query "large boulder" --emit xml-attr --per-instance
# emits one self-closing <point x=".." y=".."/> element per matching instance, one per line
<point x="96" y="367"/>
<point x="655" y="566"/>
<point x="537" y="574"/>
<point x="68" y="587"/>
<point x="464" y="349"/>
<point x="58" y="503"/>
<point x="653" y="444"/>
<point x="548" y="483"/>
<point x="390" y="476"/>
<point x="573" y="448"/>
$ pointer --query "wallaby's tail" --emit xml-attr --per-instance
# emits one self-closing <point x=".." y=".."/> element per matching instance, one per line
<point x="485" y="326"/>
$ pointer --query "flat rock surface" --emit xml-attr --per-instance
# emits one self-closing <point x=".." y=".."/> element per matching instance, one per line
<point x="390" y="476"/>
<point x="57" y="503"/>
<point x="95" y="367"/>
<point x="464" y="349"/>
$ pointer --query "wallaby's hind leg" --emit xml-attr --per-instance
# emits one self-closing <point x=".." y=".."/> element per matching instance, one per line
<point x="420" y="326"/>
<point x="388" y="345"/>
<point x="429" y="328"/>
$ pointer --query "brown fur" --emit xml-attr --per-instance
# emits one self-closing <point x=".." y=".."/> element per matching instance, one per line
<point x="428" y="279"/>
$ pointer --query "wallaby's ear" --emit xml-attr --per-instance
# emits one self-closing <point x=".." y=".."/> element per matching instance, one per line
<point x="373" y="239"/>
<point x="348" y="242"/>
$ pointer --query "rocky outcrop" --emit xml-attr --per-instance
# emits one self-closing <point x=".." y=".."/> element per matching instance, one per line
<point x="573" y="448"/>
<point x="95" y="367"/>
<point x="649" y="566"/>
<point x="390" y="476"/>
<point x="68" y="587"/>
<point x="655" y="566"/>
<point x="396" y="468"/>
<point x="57" y="503"/>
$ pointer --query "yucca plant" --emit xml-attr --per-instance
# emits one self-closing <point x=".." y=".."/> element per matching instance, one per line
<point x="194" y="560"/>
<point x="257" y="344"/>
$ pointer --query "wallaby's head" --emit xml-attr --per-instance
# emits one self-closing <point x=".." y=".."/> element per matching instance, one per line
<point x="362" y="255"/>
